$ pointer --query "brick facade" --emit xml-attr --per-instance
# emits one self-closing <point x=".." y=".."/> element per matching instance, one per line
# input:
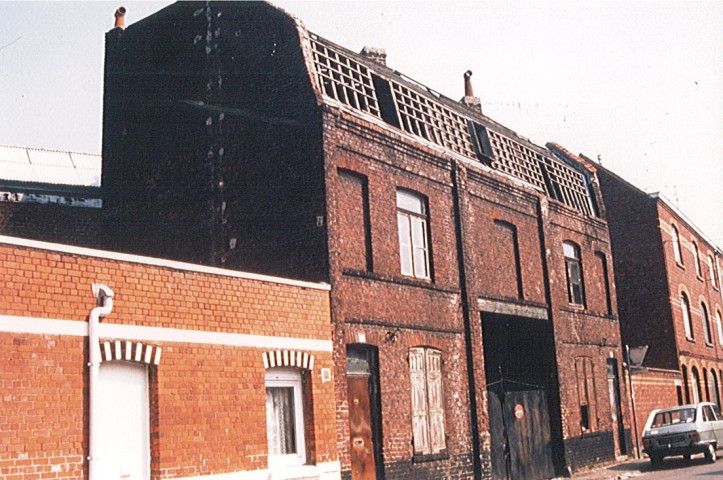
<point x="207" y="407"/>
<point x="653" y="284"/>
<point x="274" y="167"/>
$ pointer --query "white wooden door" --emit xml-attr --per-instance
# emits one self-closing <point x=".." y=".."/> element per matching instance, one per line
<point x="123" y="449"/>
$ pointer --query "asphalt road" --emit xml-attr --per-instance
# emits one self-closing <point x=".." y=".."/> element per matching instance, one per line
<point x="674" y="468"/>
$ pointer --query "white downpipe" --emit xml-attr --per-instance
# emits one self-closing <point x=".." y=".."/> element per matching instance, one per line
<point x="105" y="306"/>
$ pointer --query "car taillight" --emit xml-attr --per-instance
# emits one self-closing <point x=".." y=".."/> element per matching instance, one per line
<point x="695" y="436"/>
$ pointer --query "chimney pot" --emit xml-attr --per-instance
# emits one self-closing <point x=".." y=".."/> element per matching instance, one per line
<point x="469" y="99"/>
<point x="120" y="18"/>
<point x="378" y="55"/>
<point x="468" y="92"/>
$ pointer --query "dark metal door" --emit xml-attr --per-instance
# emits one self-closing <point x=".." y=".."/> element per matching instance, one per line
<point x="520" y="430"/>
<point x="360" y="428"/>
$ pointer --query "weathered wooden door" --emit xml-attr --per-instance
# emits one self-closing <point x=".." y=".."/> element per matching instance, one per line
<point x="363" y="416"/>
<point x="360" y="428"/>
<point x="520" y="430"/>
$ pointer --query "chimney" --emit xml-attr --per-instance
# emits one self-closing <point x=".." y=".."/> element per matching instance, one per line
<point x="120" y="18"/>
<point x="469" y="99"/>
<point x="374" y="54"/>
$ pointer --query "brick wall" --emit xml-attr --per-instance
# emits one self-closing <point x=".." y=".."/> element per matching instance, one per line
<point x="655" y="389"/>
<point x="207" y="405"/>
<point x="370" y="298"/>
<point x="373" y="303"/>
<point x="52" y="223"/>
<point x="175" y="168"/>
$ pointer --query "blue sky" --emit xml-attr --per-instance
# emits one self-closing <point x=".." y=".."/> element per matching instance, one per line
<point x="638" y="83"/>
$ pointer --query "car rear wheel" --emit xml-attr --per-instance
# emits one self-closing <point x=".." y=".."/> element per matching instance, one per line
<point x="710" y="453"/>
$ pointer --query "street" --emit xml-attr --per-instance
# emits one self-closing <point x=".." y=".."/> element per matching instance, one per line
<point x="675" y="468"/>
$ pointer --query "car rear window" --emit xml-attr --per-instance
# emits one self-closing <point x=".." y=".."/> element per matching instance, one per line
<point x="673" y="417"/>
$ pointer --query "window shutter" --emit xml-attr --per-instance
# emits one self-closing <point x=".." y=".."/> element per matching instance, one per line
<point x="436" y="401"/>
<point x="590" y="390"/>
<point x="419" y="401"/>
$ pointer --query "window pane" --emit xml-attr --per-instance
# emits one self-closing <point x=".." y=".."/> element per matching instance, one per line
<point x="676" y="246"/>
<point x="713" y="278"/>
<point x="569" y="250"/>
<point x="574" y="272"/>
<point x="419" y="242"/>
<point x="280" y="420"/>
<point x="410" y="202"/>
<point x="574" y="279"/>
<point x="686" y="316"/>
<point x="405" y="246"/>
<point x="706" y="323"/>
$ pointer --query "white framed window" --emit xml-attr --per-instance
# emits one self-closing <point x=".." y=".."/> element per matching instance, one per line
<point x="712" y="269"/>
<point x="676" y="246"/>
<point x="696" y="255"/>
<point x="685" y="310"/>
<point x="720" y="327"/>
<point x="412" y="222"/>
<point x="425" y="368"/>
<point x="573" y="266"/>
<point x="285" y="418"/>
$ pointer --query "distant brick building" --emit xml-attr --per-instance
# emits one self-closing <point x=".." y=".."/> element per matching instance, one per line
<point x="471" y="276"/>
<point x="669" y="296"/>
<point x="201" y="371"/>
<point x="50" y="195"/>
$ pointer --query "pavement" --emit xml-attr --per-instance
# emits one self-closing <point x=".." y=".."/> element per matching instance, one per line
<point x="629" y="468"/>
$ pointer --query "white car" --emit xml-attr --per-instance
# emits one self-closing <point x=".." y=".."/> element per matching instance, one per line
<point x="684" y="430"/>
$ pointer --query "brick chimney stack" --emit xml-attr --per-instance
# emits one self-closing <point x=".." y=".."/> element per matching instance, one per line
<point x="378" y="55"/>
<point x="469" y="99"/>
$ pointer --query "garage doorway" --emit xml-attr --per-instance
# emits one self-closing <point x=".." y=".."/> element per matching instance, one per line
<point x="518" y="355"/>
<point x="123" y="439"/>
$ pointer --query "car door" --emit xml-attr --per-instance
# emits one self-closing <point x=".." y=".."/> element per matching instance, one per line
<point x="718" y="425"/>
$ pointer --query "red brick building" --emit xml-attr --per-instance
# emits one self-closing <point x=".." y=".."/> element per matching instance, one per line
<point x="200" y="372"/>
<point x="472" y="297"/>
<point x="669" y="296"/>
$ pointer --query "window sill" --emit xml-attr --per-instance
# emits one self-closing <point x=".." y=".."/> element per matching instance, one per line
<point x="691" y="340"/>
<point x="680" y="265"/>
<point x="429" y="457"/>
<point x="590" y="433"/>
<point x="709" y="344"/>
<point x="428" y="284"/>
<point x="297" y="472"/>
<point x="699" y="277"/>
<point x="576" y="306"/>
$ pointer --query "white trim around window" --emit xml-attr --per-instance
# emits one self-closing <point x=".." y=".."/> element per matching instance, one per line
<point x="285" y="418"/>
